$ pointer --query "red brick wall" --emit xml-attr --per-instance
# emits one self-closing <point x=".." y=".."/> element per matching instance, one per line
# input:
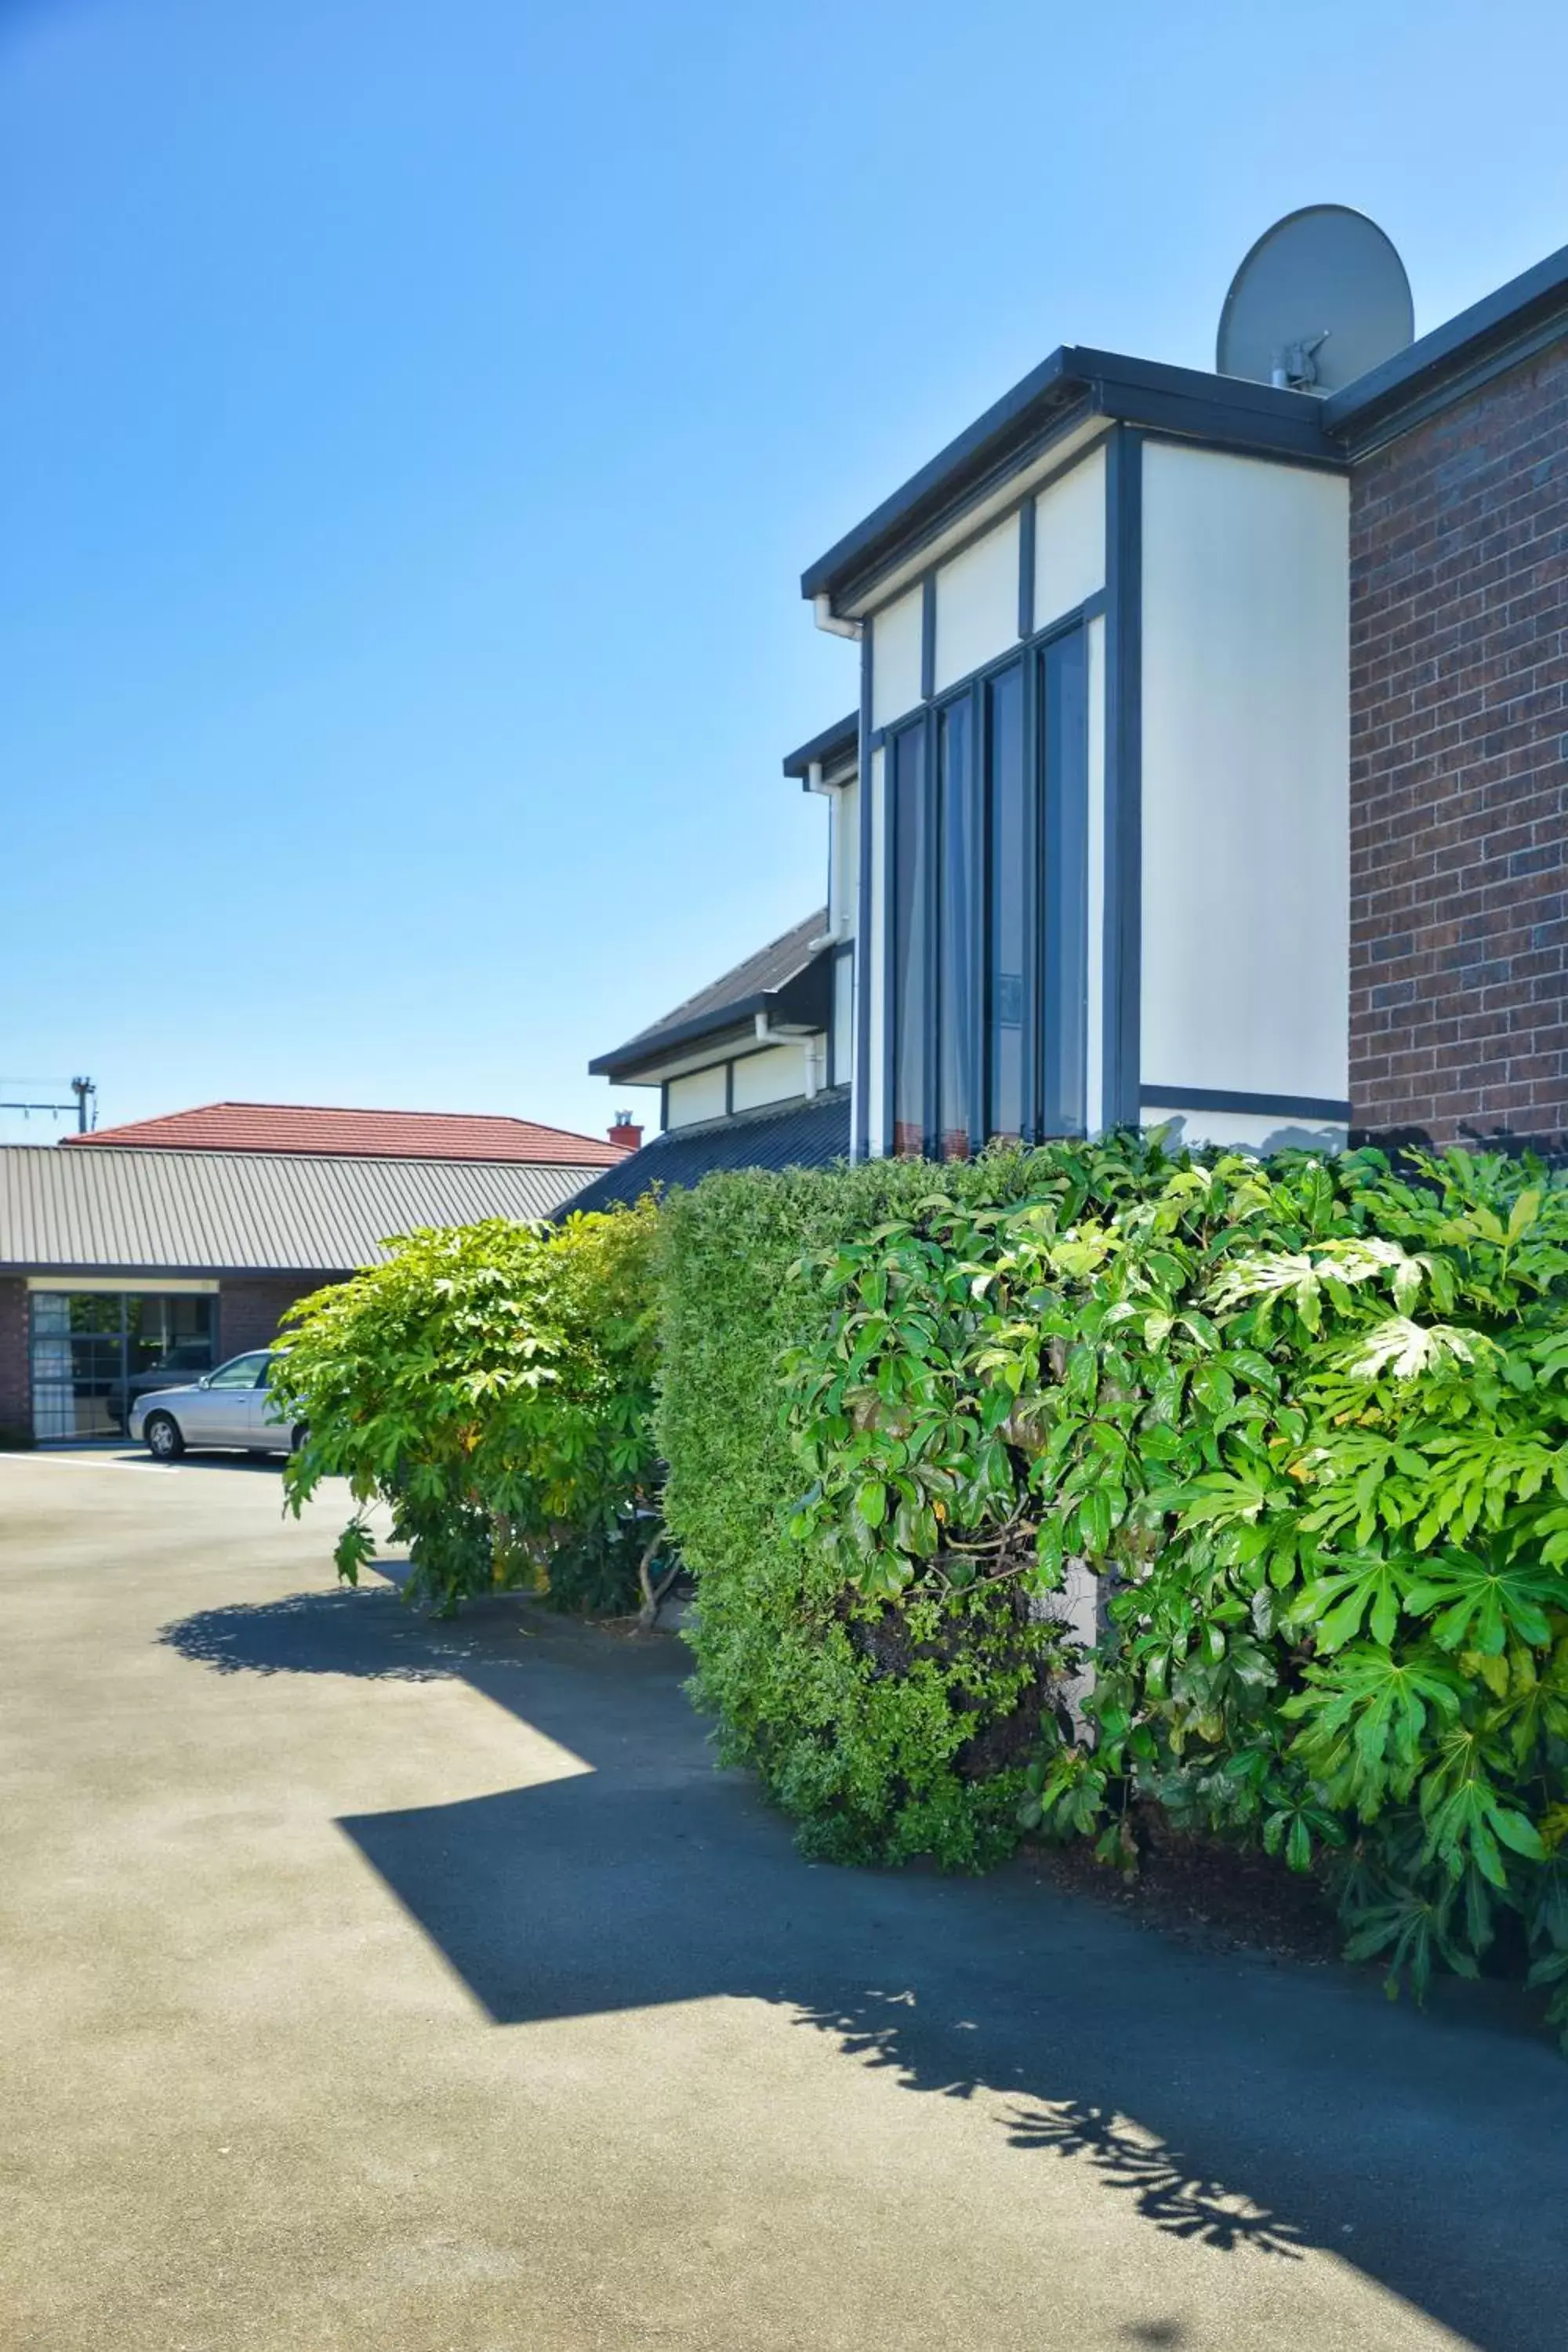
<point x="16" y="1384"/>
<point x="248" y="1307"/>
<point x="1459" y="772"/>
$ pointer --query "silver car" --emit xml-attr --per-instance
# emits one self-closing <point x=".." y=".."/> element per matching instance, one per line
<point x="231" y="1407"/>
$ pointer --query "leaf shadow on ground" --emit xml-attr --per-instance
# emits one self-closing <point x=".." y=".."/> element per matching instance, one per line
<point x="1250" y="2109"/>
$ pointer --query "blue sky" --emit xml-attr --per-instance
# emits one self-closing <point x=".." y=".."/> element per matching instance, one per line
<point x="414" y="419"/>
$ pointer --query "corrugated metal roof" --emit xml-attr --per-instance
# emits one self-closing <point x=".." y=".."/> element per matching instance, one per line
<point x="222" y="1212"/>
<point x="349" y="1134"/>
<point x="796" y="1135"/>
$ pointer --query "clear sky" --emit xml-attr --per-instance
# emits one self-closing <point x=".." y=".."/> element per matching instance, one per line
<point x="415" y="414"/>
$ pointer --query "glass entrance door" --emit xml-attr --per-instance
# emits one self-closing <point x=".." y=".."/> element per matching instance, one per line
<point x="94" y="1351"/>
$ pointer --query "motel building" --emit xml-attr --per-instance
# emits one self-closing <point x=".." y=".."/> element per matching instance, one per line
<point x="1208" y="767"/>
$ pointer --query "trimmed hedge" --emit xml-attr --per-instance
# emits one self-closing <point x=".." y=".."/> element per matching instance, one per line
<point x="886" y="1731"/>
<point x="1307" y="1421"/>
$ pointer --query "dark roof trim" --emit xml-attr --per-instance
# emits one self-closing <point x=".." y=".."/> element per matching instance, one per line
<point x="1505" y="326"/>
<point x="807" y="1132"/>
<point x="839" y="742"/>
<point x="803" y="998"/>
<point x="1073" y="385"/>
<point x="153" y="1278"/>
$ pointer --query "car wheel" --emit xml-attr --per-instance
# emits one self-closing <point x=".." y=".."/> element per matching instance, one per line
<point x="298" y="1437"/>
<point x="162" y="1437"/>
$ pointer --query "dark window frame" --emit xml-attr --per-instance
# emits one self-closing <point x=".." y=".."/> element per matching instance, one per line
<point x="1030" y="654"/>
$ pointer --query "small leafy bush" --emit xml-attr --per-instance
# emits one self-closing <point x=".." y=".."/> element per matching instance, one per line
<point x="1307" y="1423"/>
<point x="494" y="1384"/>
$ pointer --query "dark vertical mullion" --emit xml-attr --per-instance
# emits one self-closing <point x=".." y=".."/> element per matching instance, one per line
<point x="892" y="821"/>
<point x="1034" y="870"/>
<point x="932" y="819"/>
<point x="861" y="1049"/>
<point x="928" y="636"/>
<point x="1121" y="969"/>
<point x="974" y="827"/>
<point x="1026" y="569"/>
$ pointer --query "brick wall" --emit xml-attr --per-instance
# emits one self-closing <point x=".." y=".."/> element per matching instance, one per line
<point x="1460" y="769"/>
<point x="249" y="1309"/>
<point x="16" y="1384"/>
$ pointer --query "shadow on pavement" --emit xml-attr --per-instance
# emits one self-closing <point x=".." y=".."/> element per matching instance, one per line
<point x="1230" y="2103"/>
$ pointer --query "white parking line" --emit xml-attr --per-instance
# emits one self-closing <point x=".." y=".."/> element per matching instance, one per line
<point x="97" y="1462"/>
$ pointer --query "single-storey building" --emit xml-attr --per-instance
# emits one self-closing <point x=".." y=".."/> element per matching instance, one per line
<point x="168" y="1245"/>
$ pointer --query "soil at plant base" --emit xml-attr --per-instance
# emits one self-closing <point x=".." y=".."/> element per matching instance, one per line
<point x="1202" y="1892"/>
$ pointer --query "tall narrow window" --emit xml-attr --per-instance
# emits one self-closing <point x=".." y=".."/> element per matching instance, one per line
<point x="1064" y="910"/>
<point x="910" y="937"/>
<point x="1007" y="883"/>
<point x="955" y="968"/>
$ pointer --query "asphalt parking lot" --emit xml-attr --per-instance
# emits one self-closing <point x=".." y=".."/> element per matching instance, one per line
<point x="375" y="1984"/>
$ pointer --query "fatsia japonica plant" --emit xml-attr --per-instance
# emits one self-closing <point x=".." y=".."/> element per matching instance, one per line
<point x="1305" y="1422"/>
<point x="493" y="1384"/>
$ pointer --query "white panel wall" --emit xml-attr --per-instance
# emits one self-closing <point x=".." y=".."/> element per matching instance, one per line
<point x="1069" y="539"/>
<point x="1247" y="1130"/>
<point x="772" y="1075"/>
<point x="1245" y="788"/>
<point x="844" y="860"/>
<point x="843" y="1059"/>
<point x="701" y="1095"/>
<point x="871" y="961"/>
<point x="977" y="604"/>
<point x="895" y="657"/>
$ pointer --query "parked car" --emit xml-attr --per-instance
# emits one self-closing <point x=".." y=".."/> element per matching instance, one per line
<point x="184" y="1361"/>
<point x="228" y="1407"/>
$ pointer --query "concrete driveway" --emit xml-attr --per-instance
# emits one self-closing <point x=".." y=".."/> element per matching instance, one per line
<point x="376" y="1985"/>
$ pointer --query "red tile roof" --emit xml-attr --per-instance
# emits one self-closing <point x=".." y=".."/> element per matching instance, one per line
<point x="359" y="1134"/>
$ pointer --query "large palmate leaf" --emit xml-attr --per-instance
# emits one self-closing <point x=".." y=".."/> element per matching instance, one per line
<point x="1477" y="1601"/>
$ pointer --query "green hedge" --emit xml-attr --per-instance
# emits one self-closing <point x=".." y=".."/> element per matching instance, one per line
<point x="1307" y="1421"/>
<point x="887" y="1731"/>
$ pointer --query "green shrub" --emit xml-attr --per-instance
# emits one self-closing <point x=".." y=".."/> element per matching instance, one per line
<point x="494" y="1384"/>
<point x="1308" y="1422"/>
<point x="886" y="1730"/>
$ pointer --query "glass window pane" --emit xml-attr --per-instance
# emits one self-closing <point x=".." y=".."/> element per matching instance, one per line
<point x="1007" y="847"/>
<point x="956" y="875"/>
<point x="1064" y="899"/>
<point x="911" y="851"/>
<point x="174" y="1330"/>
<point x="240" y="1373"/>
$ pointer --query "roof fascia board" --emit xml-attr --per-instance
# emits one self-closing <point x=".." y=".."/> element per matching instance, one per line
<point x="1503" y="328"/>
<point x="835" y="744"/>
<point x="793" y="1005"/>
<point x="712" y="1026"/>
<point x="1074" y="383"/>
<point x="972" y="515"/>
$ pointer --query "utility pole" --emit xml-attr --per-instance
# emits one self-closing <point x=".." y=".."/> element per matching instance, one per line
<point x="84" y="1090"/>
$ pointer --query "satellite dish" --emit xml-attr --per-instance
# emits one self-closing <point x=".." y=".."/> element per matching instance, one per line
<point x="1321" y="298"/>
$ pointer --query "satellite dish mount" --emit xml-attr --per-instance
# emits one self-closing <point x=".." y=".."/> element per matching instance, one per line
<point x="1321" y="298"/>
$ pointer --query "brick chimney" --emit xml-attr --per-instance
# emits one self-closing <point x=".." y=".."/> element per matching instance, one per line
<point x="623" y="1133"/>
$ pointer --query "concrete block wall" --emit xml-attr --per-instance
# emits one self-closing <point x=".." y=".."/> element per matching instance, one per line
<point x="1458" y="1005"/>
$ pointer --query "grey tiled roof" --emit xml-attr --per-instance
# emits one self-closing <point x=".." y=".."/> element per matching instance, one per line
<point x="219" y="1212"/>
<point x="786" y="1135"/>
<point x="730" y="999"/>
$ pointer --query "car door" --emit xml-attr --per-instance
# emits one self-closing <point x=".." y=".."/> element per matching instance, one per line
<point x="266" y="1429"/>
<point x="221" y="1411"/>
